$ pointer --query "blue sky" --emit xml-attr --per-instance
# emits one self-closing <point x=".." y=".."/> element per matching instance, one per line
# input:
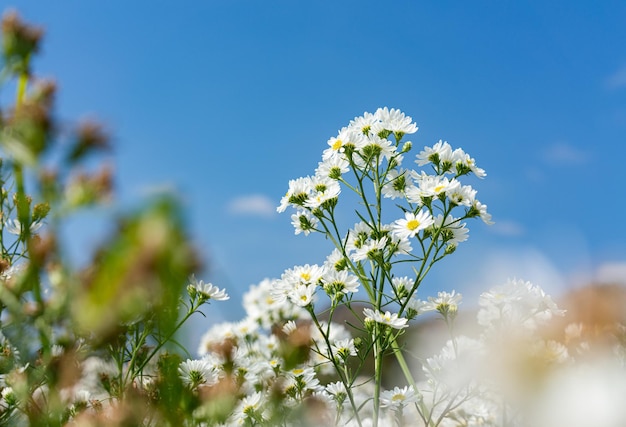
<point x="224" y="101"/>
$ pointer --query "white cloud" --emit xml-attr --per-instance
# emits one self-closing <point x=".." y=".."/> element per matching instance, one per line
<point x="564" y="154"/>
<point x="617" y="80"/>
<point x="252" y="204"/>
<point x="611" y="273"/>
<point x="507" y="228"/>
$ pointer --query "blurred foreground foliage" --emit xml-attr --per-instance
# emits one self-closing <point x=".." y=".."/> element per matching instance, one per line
<point x="55" y="319"/>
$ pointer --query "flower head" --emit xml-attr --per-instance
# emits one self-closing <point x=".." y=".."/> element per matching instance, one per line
<point x="206" y="291"/>
<point x="386" y="318"/>
<point x="197" y="372"/>
<point x="411" y="224"/>
<point x="398" y="397"/>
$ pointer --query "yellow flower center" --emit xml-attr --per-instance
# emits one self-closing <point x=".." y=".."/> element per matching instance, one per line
<point x="337" y="144"/>
<point x="397" y="397"/>
<point x="305" y="276"/>
<point x="412" y="224"/>
<point x="439" y="188"/>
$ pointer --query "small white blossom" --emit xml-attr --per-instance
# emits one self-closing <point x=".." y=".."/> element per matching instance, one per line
<point x="197" y="372"/>
<point x="206" y="291"/>
<point x="411" y="224"/>
<point x="386" y="318"/>
<point x="398" y="397"/>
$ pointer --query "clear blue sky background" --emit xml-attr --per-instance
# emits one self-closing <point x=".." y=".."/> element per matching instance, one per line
<point x="224" y="101"/>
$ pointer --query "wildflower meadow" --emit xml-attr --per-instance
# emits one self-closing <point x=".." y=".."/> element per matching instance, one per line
<point x="341" y="341"/>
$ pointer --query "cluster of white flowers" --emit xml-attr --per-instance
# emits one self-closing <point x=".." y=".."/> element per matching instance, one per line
<point x="364" y="147"/>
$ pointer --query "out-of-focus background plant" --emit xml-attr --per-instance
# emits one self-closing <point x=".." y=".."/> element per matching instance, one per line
<point x="123" y="309"/>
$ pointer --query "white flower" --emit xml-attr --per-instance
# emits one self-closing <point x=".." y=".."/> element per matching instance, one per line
<point x="395" y="121"/>
<point x="434" y="185"/>
<point x="322" y="190"/>
<point x="337" y="390"/>
<point x="206" y="291"/>
<point x="344" y="348"/>
<point x="462" y="195"/>
<point x="478" y="209"/>
<point x="386" y="318"/>
<point x="376" y="148"/>
<point x="302" y="295"/>
<point x="14" y="226"/>
<point x="305" y="378"/>
<point x="438" y="154"/>
<point x="304" y="274"/>
<point x="197" y="372"/>
<point x="417" y="306"/>
<point x="402" y="285"/>
<point x="346" y="137"/>
<point x="445" y="303"/>
<point x="397" y="182"/>
<point x="248" y="408"/>
<point x="411" y="224"/>
<point x="369" y="250"/>
<point x="340" y="281"/>
<point x="297" y="194"/>
<point x="364" y="123"/>
<point x="333" y="167"/>
<point x="516" y="303"/>
<point x="398" y="397"/>
<point x="357" y="236"/>
<point x="335" y="261"/>
<point x="464" y="162"/>
<point x="304" y="222"/>
<point x="451" y="231"/>
<point x="290" y="327"/>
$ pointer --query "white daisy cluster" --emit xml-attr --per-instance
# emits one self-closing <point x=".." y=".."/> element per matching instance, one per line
<point x="366" y="157"/>
<point x="262" y="358"/>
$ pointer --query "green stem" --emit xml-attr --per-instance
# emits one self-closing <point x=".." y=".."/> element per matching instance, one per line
<point x="347" y="384"/>
<point x="378" y="365"/>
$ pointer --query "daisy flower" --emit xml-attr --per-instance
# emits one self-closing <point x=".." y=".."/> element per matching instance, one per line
<point x="297" y="194"/>
<point x="445" y="303"/>
<point x="462" y="195"/>
<point x="197" y="372"/>
<point x="411" y="224"/>
<point x="340" y="281"/>
<point x="364" y="123"/>
<point x="397" y="184"/>
<point x="302" y="295"/>
<point x="14" y="226"/>
<point x="332" y="167"/>
<point x="452" y="231"/>
<point x="322" y="190"/>
<point x="478" y="209"/>
<point x="338" y="391"/>
<point x="206" y="291"/>
<point x="304" y="222"/>
<point x="398" y="397"/>
<point x="344" y="348"/>
<point x="439" y="153"/>
<point x="369" y="249"/>
<point x="395" y="121"/>
<point x="386" y="318"/>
